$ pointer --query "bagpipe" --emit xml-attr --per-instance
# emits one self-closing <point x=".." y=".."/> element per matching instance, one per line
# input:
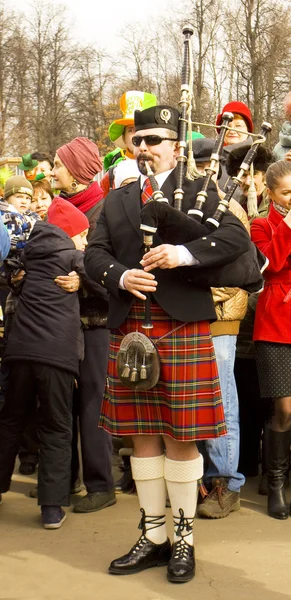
<point x="175" y="227"/>
<point x="138" y="362"/>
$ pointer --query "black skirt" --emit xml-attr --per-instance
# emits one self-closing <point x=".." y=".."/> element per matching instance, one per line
<point x="274" y="369"/>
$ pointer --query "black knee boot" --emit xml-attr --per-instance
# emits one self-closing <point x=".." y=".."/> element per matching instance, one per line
<point x="277" y="446"/>
<point x="263" y="484"/>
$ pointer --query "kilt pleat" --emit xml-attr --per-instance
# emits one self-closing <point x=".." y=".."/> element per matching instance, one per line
<point x="186" y="402"/>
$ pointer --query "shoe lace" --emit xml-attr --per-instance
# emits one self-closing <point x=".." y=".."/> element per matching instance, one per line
<point x="144" y="523"/>
<point x="183" y="527"/>
<point x="139" y="544"/>
<point x="150" y="520"/>
<point x="218" y="491"/>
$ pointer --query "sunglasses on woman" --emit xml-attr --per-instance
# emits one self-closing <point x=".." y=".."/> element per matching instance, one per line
<point x="150" y="140"/>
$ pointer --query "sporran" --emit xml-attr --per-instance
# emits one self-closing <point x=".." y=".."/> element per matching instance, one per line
<point x="138" y="362"/>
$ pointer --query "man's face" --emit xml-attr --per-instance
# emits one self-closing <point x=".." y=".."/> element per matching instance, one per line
<point x="234" y="137"/>
<point x="44" y="167"/>
<point x="259" y="180"/>
<point x="202" y="166"/>
<point x="161" y="158"/>
<point x="127" y="137"/>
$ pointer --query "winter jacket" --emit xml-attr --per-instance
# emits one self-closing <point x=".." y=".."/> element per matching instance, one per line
<point x="19" y="226"/>
<point x="284" y="143"/>
<point x="230" y="303"/>
<point x="93" y="298"/>
<point x="46" y="327"/>
<point x="273" y="314"/>
<point x="263" y="204"/>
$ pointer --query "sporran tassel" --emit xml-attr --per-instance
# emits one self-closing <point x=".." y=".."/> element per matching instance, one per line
<point x="126" y="370"/>
<point x="143" y="369"/>
<point x="134" y="372"/>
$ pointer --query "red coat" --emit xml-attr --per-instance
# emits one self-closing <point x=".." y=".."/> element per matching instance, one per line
<point x="273" y="314"/>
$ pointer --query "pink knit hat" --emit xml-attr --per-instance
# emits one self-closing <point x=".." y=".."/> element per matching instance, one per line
<point x="82" y="159"/>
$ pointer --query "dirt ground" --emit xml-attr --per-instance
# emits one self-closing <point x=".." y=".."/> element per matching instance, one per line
<point x="244" y="556"/>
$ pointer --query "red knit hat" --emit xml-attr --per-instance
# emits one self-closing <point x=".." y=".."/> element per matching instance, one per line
<point x="67" y="217"/>
<point x="238" y="108"/>
<point x="82" y="159"/>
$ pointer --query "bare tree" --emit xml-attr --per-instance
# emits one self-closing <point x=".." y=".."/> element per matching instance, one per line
<point x="52" y="89"/>
<point x="91" y="94"/>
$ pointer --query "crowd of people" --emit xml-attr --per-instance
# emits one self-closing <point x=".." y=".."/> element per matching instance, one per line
<point x="75" y="277"/>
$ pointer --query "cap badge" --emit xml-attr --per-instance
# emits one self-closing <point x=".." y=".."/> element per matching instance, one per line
<point x="165" y="115"/>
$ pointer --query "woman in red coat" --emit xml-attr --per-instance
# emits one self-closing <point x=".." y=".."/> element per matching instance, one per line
<point x="272" y="332"/>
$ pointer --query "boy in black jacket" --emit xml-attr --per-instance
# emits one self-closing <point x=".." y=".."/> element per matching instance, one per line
<point x="44" y="350"/>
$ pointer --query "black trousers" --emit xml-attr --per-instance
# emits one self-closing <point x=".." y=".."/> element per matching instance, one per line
<point x="251" y="414"/>
<point x="28" y="452"/>
<point x="96" y="443"/>
<point x="54" y="388"/>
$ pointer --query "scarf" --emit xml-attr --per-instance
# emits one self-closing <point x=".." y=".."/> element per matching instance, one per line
<point x="280" y="209"/>
<point x="86" y="199"/>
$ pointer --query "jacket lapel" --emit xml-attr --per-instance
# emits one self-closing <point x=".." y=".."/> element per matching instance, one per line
<point x="131" y="203"/>
<point x="168" y="186"/>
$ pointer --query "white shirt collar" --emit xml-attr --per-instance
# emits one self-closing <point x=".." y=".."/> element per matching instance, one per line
<point x="160" y="178"/>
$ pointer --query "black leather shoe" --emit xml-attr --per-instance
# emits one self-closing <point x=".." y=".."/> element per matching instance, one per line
<point x="143" y="555"/>
<point x="125" y="485"/>
<point x="181" y="567"/>
<point x="27" y="468"/>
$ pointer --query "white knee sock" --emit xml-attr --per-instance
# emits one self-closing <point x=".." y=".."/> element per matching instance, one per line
<point x="148" y="474"/>
<point x="181" y="479"/>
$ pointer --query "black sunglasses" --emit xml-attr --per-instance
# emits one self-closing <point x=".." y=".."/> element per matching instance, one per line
<point x="150" y="140"/>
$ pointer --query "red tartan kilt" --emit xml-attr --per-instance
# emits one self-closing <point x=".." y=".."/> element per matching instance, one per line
<point x="186" y="402"/>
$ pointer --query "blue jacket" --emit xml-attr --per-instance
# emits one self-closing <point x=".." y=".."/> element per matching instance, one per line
<point x="4" y="241"/>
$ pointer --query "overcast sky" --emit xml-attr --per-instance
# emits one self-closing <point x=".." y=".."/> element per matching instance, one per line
<point x="100" y="21"/>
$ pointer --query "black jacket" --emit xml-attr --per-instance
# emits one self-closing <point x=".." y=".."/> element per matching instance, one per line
<point x="93" y="297"/>
<point x="46" y="327"/>
<point x="117" y="245"/>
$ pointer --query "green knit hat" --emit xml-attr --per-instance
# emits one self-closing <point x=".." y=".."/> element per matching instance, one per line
<point x="17" y="185"/>
<point x="27" y="163"/>
<point x="129" y="102"/>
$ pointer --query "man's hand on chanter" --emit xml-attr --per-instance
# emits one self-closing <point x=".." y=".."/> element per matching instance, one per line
<point x="165" y="256"/>
<point x="137" y="281"/>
